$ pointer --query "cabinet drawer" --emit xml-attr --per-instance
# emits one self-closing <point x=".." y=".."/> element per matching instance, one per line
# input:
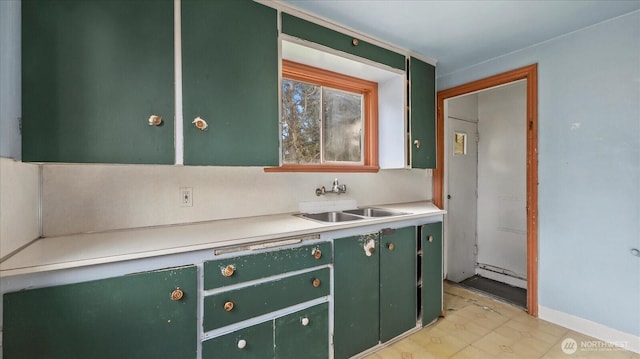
<point x="223" y="272"/>
<point x="236" y="305"/>
<point x="303" y="334"/>
<point x="252" y="342"/>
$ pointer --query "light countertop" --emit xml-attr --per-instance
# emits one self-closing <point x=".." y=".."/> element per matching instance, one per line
<point x="78" y="250"/>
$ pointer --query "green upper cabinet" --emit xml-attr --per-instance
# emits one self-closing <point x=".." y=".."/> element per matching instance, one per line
<point x="138" y="316"/>
<point x="230" y="80"/>
<point x="309" y="31"/>
<point x="422" y="77"/>
<point x="93" y="72"/>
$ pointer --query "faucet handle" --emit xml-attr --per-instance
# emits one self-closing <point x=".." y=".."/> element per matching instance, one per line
<point x="335" y="182"/>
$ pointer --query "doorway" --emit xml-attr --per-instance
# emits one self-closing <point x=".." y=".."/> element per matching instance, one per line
<point x="529" y="228"/>
<point x="485" y="191"/>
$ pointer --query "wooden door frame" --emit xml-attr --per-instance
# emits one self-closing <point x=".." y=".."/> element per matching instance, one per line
<point x="529" y="73"/>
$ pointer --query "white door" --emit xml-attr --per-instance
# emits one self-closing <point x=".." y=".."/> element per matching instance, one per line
<point x="462" y="158"/>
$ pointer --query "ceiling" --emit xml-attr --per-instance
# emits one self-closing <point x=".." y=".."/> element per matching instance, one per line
<point x="462" y="33"/>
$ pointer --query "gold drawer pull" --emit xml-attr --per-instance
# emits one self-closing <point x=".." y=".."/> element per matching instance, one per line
<point x="177" y="294"/>
<point x="228" y="270"/>
<point x="228" y="306"/>
<point x="304" y="321"/>
<point x="430" y="238"/>
<point x="316" y="283"/>
<point x="317" y="253"/>
<point x="391" y="246"/>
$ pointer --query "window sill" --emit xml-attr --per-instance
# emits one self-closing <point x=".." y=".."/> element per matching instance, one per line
<point x="323" y="168"/>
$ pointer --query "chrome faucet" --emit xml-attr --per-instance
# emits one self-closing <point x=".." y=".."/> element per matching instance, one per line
<point x="336" y="187"/>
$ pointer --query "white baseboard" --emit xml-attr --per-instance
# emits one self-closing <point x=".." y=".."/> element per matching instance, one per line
<point x="516" y="282"/>
<point x="593" y="329"/>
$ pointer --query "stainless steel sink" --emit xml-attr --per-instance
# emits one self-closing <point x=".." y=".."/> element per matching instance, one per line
<point x="373" y="212"/>
<point x="331" y="217"/>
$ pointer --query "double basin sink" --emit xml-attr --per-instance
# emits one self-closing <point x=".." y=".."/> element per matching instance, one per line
<point x="351" y="215"/>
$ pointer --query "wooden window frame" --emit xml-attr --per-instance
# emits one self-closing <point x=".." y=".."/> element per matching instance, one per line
<point x="369" y="90"/>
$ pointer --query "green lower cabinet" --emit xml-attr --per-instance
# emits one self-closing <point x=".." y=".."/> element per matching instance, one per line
<point x="375" y="289"/>
<point x="431" y="239"/>
<point x="254" y="342"/>
<point x="398" y="291"/>
<point x="125" y="317"/>
<point x="356" y="294"/>
<point x="233" y="306"/>
<point x="303" y="334"/>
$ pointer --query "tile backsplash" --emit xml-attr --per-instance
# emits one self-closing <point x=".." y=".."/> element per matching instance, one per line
<point x="94" y="197"/>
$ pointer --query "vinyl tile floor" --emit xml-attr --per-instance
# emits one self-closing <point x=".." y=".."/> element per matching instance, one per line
<point x="479" y="327"/>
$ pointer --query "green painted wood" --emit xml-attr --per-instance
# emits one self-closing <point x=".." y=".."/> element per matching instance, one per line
<point x="423" y="113"/>
<point x="124" y="317"/>
<point x="262" y="265"/>
<point x="258" y="338"/>
<point x="431" y="272"/>
<point x="230" y="79"/>
<point x="263" y="298"/>
<point x="293" y="340"/>
<point x="306" y="30"/>
<point x="92" y="74"/>
<point x="356" y="295"/>
<point x="398" y="291"/>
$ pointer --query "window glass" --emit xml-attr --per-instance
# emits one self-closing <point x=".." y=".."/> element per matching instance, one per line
<point x="342" y="126"/>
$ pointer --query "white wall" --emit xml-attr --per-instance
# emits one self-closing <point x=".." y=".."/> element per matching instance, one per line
<point x="19" y="205"/>
<point x="589" y="171"/>
<point x="82" y="198"/>
<point x="502" y="180"/>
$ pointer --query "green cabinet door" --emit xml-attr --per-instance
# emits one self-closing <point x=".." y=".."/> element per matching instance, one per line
<point x="93" y="72"/>
<point x="230" y="79"/>
<point x="303" y="334"/>
<point x="397" y="282"/>
<point x="422" y="77"/>
<point x="356" y="294"/>
<point x="255" y="342"/>
<point x="124" y="317"/>
<point x="431" y="238"/>
<point x="309" y="31"/>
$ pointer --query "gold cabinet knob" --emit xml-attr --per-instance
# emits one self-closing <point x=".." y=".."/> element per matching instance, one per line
<point x="354" y="42"/>
<point x="430" y="238"/>
<point x="242" y="344"/>
<point x="200" y="123"/>
<point x="228" y="306"/>
<point x="177" y="294"/>
<point x="316" y="283"/>
<point x="416" y="143"/>
<point x="228" y="271"/>
<point x="391" y="246"/>
<point x="304" y="321"/>
<point x="317" y="253"/>
<point x="155" y="120"/>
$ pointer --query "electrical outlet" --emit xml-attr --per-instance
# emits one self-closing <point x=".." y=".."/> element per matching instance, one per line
<point x="186" y="197"/>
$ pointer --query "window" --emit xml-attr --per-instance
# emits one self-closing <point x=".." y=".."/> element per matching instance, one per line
<point x="328" y="121"/>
